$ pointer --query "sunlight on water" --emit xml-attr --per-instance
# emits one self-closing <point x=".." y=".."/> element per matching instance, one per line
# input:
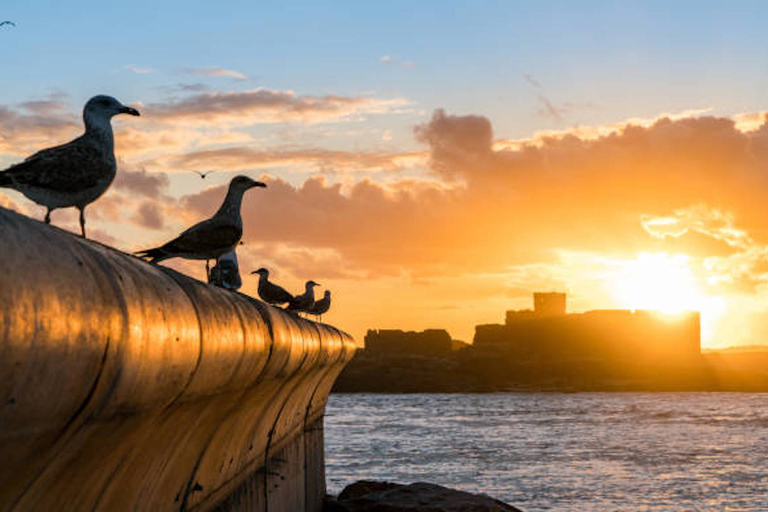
<point x="562" y="452"/>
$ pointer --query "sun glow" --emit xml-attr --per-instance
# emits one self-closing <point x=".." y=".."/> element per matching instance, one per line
<point x="665" y="283"/>
<point x="659" y="282"/>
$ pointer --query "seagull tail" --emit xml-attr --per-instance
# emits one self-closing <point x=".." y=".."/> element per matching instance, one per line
<point x="153" y="255"/>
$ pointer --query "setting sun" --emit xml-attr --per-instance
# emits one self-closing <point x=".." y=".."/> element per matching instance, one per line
<point x="665" y="283"/>
<point x="659" y="282"/>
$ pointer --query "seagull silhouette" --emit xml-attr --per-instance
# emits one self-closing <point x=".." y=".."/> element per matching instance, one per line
<point x="76" y="173"/>
<point x="226" y="272"/>
<point x="202" y="174"/>
<point x="321" y="306"/>
<point x="212" y="238"/>
<point x="270" y="292"/>
<point x="12" y="24"/>
<point x="302" y="303"/>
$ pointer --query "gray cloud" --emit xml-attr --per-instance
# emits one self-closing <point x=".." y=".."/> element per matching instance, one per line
<point x="267" y="106"/>
<point x="215" y="71"/>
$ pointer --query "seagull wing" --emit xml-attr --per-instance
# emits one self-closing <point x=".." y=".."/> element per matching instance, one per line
<point x="279" y="293"/>
<point x="68" y="168"/>
<point x="204" y="238"/>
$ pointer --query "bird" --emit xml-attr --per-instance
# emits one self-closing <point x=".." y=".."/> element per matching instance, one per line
<point x="212" y="238"/>
<point x="270" y="292"/>
<point x="226" y="272"/>
<point x="302" y="303"/>
<point x="76" y="173"/>
<point x="9" y="23"/>
<point x="321" y="306"/>
<point x="202" y="174"/>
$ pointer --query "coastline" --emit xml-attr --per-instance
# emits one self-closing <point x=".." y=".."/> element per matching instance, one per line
<point x="466" y="371"/>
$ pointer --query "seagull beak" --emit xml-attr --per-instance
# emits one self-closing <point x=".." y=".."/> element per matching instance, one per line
<point x="129" y="110"/>
<point x="259" y="184"/>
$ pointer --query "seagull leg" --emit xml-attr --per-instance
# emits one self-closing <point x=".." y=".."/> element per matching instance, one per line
<point x="82" y="221"/>
<point x="48" y="216"/>
<point x="207" y="268"/>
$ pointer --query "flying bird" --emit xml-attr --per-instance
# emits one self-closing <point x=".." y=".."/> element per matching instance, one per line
<point x="302" y="303"/>
<point x="226" y="272"/>
<point x="10" y="23"/>
<point x="321" y="306"/>
<point x="270" y="292"/>
<point x="212" y="238"/>
<point x="202" y="174"/>
<point x="76" y="173"/>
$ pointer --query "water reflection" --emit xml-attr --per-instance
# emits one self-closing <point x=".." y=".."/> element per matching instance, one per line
<point x="546" y="451"/>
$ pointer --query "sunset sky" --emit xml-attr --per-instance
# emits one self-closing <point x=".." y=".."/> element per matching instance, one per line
<point x="431" y="163"/>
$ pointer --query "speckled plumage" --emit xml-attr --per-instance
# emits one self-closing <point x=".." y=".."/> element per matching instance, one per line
<point x="76" y="173"/>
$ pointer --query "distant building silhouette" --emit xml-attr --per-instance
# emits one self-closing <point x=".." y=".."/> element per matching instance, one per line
<point x="549" y="304"/>
<point x="548" y="333"/>
<point x="430" y="342"/>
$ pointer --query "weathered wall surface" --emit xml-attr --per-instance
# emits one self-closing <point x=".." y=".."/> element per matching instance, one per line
<point x="126" y="386"/>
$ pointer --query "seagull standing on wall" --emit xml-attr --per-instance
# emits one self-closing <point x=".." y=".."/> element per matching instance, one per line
<point x="76" y="173"/>
<point x="302" y="303"/>
<point x="212" y="238"/>
<point x="321" y="306"/>
<point x="270" y="292"/>
<point x="226" y="272"/>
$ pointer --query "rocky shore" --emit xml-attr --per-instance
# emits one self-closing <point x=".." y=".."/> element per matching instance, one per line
<point x="372" y="496"/>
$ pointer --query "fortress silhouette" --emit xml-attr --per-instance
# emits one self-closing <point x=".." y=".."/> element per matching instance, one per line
<point x="549" y="333"/>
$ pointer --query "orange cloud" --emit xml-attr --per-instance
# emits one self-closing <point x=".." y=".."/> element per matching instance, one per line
<point x="485" y="221"/>
<point x="244" y="158"/>
<point x="33" y="124"/>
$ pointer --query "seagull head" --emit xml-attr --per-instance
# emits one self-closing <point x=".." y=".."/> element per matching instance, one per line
<point x="262" y="272"/>
<point x="104" y="107"/>
<point x="327" y="294"/>
<point x="243" y="183"/>
<point x="312" y="284"/>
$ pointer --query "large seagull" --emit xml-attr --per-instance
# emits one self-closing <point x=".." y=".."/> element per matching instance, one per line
<point x="212" y="238"/>
<point x="76" y="173"/>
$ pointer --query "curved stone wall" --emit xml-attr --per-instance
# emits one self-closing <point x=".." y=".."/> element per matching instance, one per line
<point x="127" y="386"/>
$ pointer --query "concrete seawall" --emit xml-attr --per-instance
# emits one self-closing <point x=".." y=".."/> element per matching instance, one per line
<point x="126" y="386"/>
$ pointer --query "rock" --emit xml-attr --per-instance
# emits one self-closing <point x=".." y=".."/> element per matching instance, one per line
<point x="367" y="496"/>
<point x="364" y="487"/>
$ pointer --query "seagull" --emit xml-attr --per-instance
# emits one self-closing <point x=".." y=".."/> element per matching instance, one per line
<point x="12" y="24"/>
<point x="321" y="306"/>
<point x="270" y="292"/>
<point x="212" y="238"/>
<point x="76" y="173"/>
<point x="302" y="303"/>
<point x="202" y="174"/>
<point x="226" y="272"/>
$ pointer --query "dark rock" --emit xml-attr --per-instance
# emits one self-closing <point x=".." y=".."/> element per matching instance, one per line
<point x="364" y="487"/>
<point x="418" y="497"/>
<point x="331" y="505"/>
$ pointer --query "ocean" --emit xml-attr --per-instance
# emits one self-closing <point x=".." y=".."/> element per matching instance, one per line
<point x="560" y="452"/>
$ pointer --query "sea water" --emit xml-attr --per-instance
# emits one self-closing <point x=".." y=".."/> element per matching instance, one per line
<point x="560" y="452"/>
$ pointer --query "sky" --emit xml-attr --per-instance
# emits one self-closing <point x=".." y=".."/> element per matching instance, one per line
<point x="430" y="163"/>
